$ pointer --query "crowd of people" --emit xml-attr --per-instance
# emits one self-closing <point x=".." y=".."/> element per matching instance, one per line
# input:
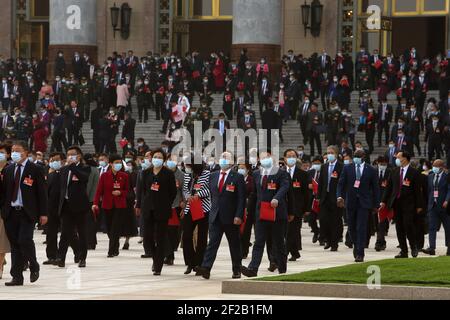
<point x="168" y="198"/>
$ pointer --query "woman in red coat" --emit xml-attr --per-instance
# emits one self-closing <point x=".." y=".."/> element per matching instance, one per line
<point x="112" y="191"/>
<point x="40" y="136"/>
<point x="219" y="75"/>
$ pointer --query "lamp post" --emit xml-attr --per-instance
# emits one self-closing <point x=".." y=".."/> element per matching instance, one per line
<point x="313" y="12"/>
<point x="125" y="20"/>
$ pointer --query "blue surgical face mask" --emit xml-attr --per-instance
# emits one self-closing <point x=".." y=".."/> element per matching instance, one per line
<point x="171" y="164"/>
<point x="346" y="162"/>
<point x="16" y="157"/>
<point x="291" y="162"/>
<point x="316" y="167"/>
<point x="146" y="164"/>
<point x="331" y="158"/>
<point x="157" y="163"/>
<point x="436" y="170"/>
<point x="128" y="160"/>
<point x="357" y="161"/>
<point x="2" y="157"/>
<point x="103" y="164"/>
<point x="398" y="163"/>
<point x="74" y="158"/>
<point x="118" y="166"/>
<point x="129" y="169"/>
<point x="267" y="163"/>
<point x="224" y="164"/>
<point x="55" y="165"/>
<point x="242" y="172"/>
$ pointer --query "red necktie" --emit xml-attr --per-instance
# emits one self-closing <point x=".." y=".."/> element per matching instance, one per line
<point x="222" y="181"/>
<point x="16" y="183"/>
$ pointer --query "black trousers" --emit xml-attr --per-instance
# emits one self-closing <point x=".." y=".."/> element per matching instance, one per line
<point x="113" y="226"/>
<point x="245" y="238"/>
<point x="294" y="236"/>
<point x="91" y="230"/>
<point x="193" y="256"/>
<point x="330" y="222"/>
<point x="383" y="228"/>
<point x="406" y="228"/>
<point x="315" y="138"/>
<point x="155" y="236"/>
<point x="143" y="110"/>
<point x="20" y="231"/>
<point x="59" y="141"/>
<point x="370" y="135"/>
<point x="383" y="126"/>
<point x="173" y="239"/>
<point x="216" y="231"/>
<point x="72" y="222"/>
<point x="53" y="225"/>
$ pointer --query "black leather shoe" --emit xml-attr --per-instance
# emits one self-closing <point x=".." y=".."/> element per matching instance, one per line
<point x="273" y="267"/>
<point x="380" y="247"/>
<point x="34" y="276"/>
<point x="402" y="255"/>
<point x="82" y="264"/>
<point x="157" y="274"/>
<point x="448" y="252"/>
<point x="188" y="271"/>
<point x="249" y="273"/>
<point x="14" y="283"/>
<point x="315" y="238"/>
<point x="26" y="265"/>
<point x="327" y="246"/>
<point x="61" y="264"/>
<point x="429" y="251"/>
<point x="359" y="259"/>
<point x="76" y="260"/>
<point x="168" y="262"/>
<point x="321" y="243"/>
<point x="205" y="273"/>
<point x="237" y="275"/>
<point x="126" y="246"/>
<point x="349" y="245"/>
<point x="293" y="259"/>
<point x="334" y="249"/>
<point x="414" y="253"/>
<point x="146" y="256"/>
<point x="111" y="255"/>
<point x="50" y="262"/>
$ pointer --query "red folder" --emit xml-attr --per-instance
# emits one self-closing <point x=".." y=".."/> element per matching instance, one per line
<point x="378" y="64"/>
<point x="316" y="206"/>
<point x="267" y="213"/>
<point x="196" y="209"/>
<point x="174" y="221"/>
<point x="195" y="74"/>
<point x="244" y="221"/>
<point x="385" y="213"/>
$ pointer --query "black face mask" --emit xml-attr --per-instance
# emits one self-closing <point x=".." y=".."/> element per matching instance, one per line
<point x="197" y="169"/>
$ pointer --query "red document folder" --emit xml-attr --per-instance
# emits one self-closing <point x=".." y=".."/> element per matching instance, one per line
<point x="244" y="221"/>
<point x="196" y="208"/>
<point x="267" y="213"/>
<point x="316" y="206"/>
<point x="384" y="214"/>
<point x="315" y="186"/>
<point x="174" y="221"/>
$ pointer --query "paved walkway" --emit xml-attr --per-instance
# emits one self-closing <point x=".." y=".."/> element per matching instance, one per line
<point x="129" y="277"/>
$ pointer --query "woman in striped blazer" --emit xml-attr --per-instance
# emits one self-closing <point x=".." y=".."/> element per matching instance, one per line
<point x="195" y="186"/>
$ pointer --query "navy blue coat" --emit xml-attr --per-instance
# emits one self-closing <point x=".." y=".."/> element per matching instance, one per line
<point x="443" y="188"/>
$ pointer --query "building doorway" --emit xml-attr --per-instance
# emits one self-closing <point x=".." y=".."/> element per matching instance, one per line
<point x="427" y="34"/>
<point x="209" y="36"/>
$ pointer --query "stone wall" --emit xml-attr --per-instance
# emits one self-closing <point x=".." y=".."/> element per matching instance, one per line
<point x="6" y="41"/>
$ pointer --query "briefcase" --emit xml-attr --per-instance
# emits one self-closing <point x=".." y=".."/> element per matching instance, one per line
<point x="81" y="141"/>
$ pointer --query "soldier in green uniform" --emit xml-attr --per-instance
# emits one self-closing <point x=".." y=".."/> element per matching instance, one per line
<point x="84" y="98"/>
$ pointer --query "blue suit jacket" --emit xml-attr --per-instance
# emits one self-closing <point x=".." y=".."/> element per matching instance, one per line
<point x="367" y="196"/>
<point x="227" y="205"/>
<point x="443" y="188"/>
<point x="282" y="180"/>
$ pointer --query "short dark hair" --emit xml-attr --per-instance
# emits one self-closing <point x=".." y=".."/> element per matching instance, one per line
<point x="6" y="147"/>
<point x="406" y="154"/>
<point x="382" y="159"/>
<point x="159" y="150"/>
<point x="318" y="159"/>
<point x="22" y="144"/>
<point x="290" y="150"/>
<point x="56" y="154"/>
<point x="114" y="157"/>
<point x="77" y="149"/>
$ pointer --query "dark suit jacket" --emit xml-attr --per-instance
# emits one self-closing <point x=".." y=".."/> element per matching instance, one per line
<point x="158" y="202"/>
<point x="227" y="205"/>
<point x="389" y="113"/>
<point x="367" y="196"/>
<point x="281" y="179"/>
<point x="34" y="197"/>
<point x="410" y="196"/>
<point x="76" y="188"/>
<point x="54" y="192"/>
<point x="443" y="189"/>
<point x="323" y="183"/>
<point x="128" y="129"/>
<point x="299" y="193"/>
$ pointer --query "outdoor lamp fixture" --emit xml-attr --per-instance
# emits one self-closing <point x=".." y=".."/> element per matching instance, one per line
<point x="315" y="12"/>
<point x="125" y="20"/>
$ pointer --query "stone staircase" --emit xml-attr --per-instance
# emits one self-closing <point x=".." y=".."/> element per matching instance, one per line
<point x="291" y="130"/>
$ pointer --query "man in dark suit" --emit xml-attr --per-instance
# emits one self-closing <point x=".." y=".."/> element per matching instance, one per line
<point x="5" y="95"/>
<point x="247" y="121"/>
<point x="293" y="93"/>
<point x="298" y="202"/>
<point x="438" y="193"/>
<point x="303" y="118"/>
<point x="434" y="137"/>
<point x="403" y="194"/>
<point x="264" y="94"/>
<point x="416" y="125"/>
<point x="272" y="186"/>
<point x="240" y="105"/>
<point x="226" y="215"/>
<point x="359" y="193"/>
<point x="96" y="116"/>
<point x="391" y="153"/>
<point x="403" y="142"/>
<point x="75" y="122"/>
<point x="77" y="65"/>
<point x="271" y="122"/>
<point x="384" y="172"/>
<point x="23" y="199"/>
<point x="54" y="193"/>
<point x="385" y="114"/>
<point x="314" y="123"/>
<point x="128" y="128"/>
<point x="222" y="125"/>
<point x="6" y="121"/>
<point x="331" y="225"/>
<point x="73" y="205"/>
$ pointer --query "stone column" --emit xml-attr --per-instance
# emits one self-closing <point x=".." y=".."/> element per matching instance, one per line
<point x="73" y="28"/>
<point x="257" y="26"/>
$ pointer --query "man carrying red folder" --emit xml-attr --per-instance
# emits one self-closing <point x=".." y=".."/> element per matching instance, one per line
<point x="272" y="187"/>
<point x="226" y="215"/>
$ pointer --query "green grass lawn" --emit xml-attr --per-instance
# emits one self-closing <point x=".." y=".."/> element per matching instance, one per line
<point x="431" y="272"/>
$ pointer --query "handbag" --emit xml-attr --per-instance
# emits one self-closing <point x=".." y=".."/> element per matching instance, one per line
<point x="81" y="140"/>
